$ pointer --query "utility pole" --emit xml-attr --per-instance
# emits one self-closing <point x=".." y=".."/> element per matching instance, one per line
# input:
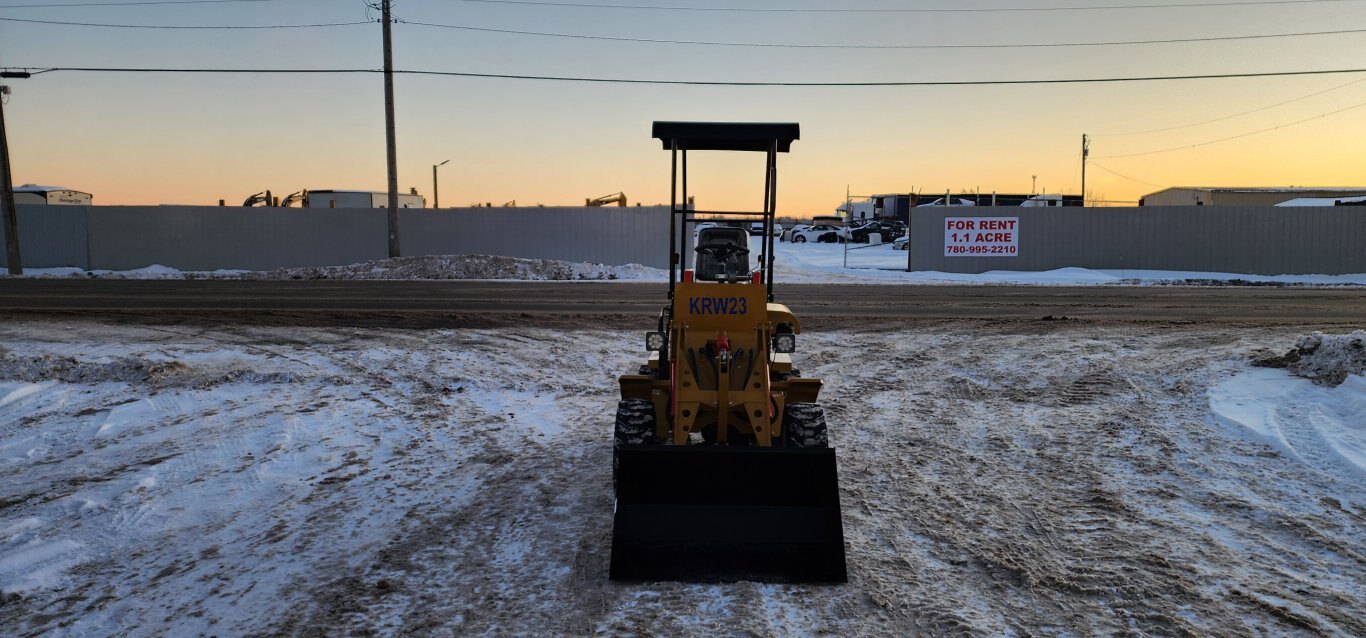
<point x="16" y="266"/>
<point x="389" y="132"/>
<point x="1033" y="183"/>
<point x="1085" y="151"/>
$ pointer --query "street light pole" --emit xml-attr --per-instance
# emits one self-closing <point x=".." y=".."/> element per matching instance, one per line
<point x="436" y="194"/>
<point x="1085" y="152"/>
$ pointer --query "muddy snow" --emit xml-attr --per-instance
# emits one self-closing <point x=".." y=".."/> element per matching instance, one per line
<point x="1026" y="478"/>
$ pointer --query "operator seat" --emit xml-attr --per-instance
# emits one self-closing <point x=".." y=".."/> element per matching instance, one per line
<point x="722" y="254"/>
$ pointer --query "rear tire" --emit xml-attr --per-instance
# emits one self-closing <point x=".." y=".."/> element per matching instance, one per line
<point x="804" y="426"/>
<point x="799" y="239"/>
<point x="635" y="426"/>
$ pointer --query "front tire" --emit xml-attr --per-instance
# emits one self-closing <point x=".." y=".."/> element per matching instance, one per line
<point x="635" y="426"/>
<point x="804" y="426"/>
<point x="799" y="239"/>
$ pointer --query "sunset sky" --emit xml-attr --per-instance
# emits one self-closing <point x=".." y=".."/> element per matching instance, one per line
<point x="193" y="139"/>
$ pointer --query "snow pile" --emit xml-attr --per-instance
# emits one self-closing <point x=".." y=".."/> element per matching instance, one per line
<point x="425" y="267"/>
<point x="154" y="271"/>
<point x="1324" y="359"/>
<point x="461" y="267"/>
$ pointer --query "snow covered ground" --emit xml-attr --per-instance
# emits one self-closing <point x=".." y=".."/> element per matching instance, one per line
<point x="1023" y="478"/>
<point x="796" y="263"/>
<point x="1314" y="410"/>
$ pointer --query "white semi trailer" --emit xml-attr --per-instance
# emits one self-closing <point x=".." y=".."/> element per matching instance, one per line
<point x="50" y="195"/>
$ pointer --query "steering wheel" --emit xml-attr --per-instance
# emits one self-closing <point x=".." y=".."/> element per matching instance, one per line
<point x="723" y="252"/>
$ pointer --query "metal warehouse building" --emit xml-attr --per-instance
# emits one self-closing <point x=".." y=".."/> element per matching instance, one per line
<point x="1216" y="196"/>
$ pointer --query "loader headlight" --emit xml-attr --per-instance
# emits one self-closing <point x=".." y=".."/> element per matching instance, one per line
<point x="654" y="341"/>
<point x="785" y="343"/>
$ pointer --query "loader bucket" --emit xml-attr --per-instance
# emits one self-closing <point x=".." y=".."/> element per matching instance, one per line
<point x="723" y="514"/>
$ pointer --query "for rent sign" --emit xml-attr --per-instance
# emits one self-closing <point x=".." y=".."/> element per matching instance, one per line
<point x="981" y="236"/>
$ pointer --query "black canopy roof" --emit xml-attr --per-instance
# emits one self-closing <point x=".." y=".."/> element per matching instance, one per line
<point x="727" y="136"/>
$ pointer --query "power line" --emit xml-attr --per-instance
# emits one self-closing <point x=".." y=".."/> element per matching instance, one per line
<point x="43" y="70"/>
<point x="1116" y="174"/>
<point x="1229" y="117"/>
<point x="698" y="42"/>
<point x="1232" y="3"/>
<point x="120" y="4"/>
<point x="880" y="46"/>
<point x="165" y="26"/>
<point x="559" y="78"/>
<point x="1239" y="136"/>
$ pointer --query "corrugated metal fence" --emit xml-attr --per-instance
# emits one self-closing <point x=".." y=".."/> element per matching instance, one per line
<point x="212" y="237"/>
<point x="1245" y="240"/>
<point x="1261" y="240"/>
<point x="50" y="236"/>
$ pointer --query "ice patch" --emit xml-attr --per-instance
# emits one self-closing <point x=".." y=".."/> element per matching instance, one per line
<point x="11" y="532"/>
<point x="37" y="564"/>
<point x="20" y="392"/>
<point x="144" y="411"/>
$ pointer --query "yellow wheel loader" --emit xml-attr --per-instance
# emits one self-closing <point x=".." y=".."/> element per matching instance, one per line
<point x="721" y="460"/>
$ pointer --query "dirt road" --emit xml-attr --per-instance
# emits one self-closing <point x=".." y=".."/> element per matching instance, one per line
<point x="434" y="303"/>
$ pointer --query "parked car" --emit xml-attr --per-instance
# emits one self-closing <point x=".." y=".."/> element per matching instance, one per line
<point x="901" y="243"/>
<point x="952" y="202"/>
<point x="786" y="235"/>
<point x="889" y="230"/>
<point x="823" y="233"/>
<point x="757" y="228"/>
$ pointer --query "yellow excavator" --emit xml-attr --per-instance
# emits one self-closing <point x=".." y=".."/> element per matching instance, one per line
<point x="615" y="198"/>
<point x="263" y="198"/>
<point x="721" y="458"/>
<point x="298" y="196"/>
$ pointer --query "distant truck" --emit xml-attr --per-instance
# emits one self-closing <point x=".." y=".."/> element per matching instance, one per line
<point x="359" y="199"/>
<point x="50" y="196"/>
<point x="858" y="211"/>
